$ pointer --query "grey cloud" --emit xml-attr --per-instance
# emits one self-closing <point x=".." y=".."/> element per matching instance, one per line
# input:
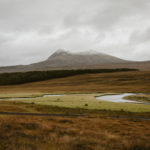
<point x="31" y="30"/>
<point x="140" y="36"/>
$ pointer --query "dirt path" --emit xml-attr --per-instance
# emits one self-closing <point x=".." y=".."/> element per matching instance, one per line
<point x="132" y="118"/>
<point x="69" y="115"/>
<point x="41" y="114"/>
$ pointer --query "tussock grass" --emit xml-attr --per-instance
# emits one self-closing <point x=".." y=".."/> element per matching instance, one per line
<point x="94" y="133"/>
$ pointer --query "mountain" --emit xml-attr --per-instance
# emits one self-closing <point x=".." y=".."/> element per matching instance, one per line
<point x="62" y="59"/>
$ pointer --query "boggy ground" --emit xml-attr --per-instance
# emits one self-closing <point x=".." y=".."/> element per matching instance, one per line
<point x="139" y="97"/>
<point x="83" y="101"/>
<point x="96" y="131"/>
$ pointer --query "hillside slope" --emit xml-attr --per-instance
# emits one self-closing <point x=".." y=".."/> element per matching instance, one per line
<point x="62" y="59"/>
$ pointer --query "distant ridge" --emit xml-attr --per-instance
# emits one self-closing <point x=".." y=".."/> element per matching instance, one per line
<point x="62" y="59"/>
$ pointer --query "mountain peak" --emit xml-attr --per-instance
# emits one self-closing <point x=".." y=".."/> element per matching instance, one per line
<point x="79" y="58"/>
<point x="91" y="52"/>
<point x="59" y="52"/>
<point x="64" y="53"/>
<point x="88" y="52"/>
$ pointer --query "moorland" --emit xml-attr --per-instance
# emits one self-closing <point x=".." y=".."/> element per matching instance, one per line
<point x="100" y="125"/>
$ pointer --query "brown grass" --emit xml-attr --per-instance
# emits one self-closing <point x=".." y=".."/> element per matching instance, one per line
<point x="138" y="81"/>
<point x="91" y="133"/>
<point x="96" y="132"/>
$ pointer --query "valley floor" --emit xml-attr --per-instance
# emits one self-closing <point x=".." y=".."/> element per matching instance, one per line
<point x="105" y="126"/>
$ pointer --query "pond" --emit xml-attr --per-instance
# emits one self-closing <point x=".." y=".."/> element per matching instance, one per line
<point x="118" y="98"/>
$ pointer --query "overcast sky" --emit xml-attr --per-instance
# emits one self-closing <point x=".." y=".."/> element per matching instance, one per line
<point x="31" y="30"/>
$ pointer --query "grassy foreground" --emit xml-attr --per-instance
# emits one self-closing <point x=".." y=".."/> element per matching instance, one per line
<point x="97" y="131"/>
<point x="94" y="133"/>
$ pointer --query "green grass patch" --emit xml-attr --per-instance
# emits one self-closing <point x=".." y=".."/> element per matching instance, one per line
<point x="85" y="101"/>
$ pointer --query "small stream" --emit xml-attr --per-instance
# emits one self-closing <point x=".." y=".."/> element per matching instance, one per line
<point x="26" y="98"/>
<point x="51" y="95"/>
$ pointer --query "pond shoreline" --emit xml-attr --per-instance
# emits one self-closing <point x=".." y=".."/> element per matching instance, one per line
<point x="119" y="98"/>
